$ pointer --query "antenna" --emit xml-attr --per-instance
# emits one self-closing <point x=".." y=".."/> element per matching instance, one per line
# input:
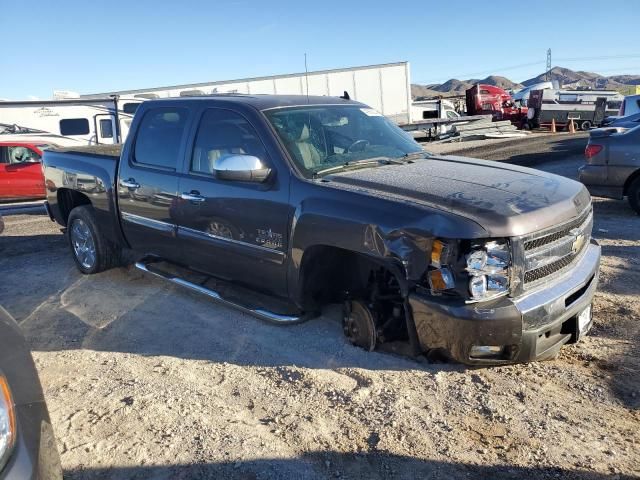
<point x="306" y="75"/>
<point x="547" y="76"/>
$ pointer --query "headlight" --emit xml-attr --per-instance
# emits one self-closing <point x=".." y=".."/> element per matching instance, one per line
<point x="7" y="422"/>
<point x="488" y="267"/>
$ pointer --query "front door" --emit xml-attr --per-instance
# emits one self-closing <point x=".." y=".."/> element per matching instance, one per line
<point x="148" y="181"/>
<point x="20" y="173"/>
<point x="235" y="230"/>
<point x="105" y="127"/>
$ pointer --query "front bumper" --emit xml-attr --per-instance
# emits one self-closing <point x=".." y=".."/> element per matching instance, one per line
<point x="531" y="327"/>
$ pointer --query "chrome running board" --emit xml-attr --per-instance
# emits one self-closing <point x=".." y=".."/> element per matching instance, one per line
<point x="256" y="312"/>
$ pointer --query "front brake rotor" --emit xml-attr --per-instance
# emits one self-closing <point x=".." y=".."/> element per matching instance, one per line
<point x="359" y="325"/>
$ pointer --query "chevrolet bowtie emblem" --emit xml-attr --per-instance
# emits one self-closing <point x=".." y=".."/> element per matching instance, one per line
<point x="577" y="244"/>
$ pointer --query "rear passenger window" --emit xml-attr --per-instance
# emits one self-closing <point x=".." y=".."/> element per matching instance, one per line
<point x="223" y="132"/>
<point x="74" y="126"/>
<point x="159" y="137"/>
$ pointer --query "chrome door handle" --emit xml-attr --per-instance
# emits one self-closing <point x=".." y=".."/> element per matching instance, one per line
<point x="192" y="197"/>
<point x="131" y="183"/>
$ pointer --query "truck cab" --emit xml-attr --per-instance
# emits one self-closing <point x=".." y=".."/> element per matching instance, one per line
<point x="495" y="101"/>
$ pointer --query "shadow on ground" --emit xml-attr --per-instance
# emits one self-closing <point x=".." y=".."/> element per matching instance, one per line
<point x="321" y="465"/>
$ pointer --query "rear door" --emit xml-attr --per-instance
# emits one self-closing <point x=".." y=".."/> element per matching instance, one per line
<point x="20" y="172"/>
<point x="148" y="181"/>
<point x="235" y="230"/>
<point x="105" y="128"/>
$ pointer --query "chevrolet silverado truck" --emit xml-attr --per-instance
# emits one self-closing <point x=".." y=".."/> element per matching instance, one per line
<point x="279" y="205"/>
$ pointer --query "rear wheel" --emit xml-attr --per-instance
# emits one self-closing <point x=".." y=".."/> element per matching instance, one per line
<point x="586" y="125"/>
<point x="91" y="251"/>
<point x="633" y="193"/>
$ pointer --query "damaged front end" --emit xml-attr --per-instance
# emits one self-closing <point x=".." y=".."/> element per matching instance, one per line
<point x="472" y="270"/>
<point x="447" y="272"/>
<point x="464" y="298"/>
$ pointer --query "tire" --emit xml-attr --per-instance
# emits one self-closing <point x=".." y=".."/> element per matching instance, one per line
<point x="91" y="251"/>
<point x="586" y="125"/>
<point x="633" y="194"/>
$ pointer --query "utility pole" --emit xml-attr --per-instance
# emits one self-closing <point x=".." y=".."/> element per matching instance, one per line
<point x="547" y="76"/>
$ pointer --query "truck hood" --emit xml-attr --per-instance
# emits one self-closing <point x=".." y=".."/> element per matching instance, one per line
<point x="506" y="200"/>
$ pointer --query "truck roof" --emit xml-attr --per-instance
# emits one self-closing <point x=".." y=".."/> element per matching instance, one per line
<point x="265" y="102"/>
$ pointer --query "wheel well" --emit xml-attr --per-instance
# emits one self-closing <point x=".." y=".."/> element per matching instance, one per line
<point x="328" y="272"/>
<point x="68" y="200"/>
<point x="629" y="181"/>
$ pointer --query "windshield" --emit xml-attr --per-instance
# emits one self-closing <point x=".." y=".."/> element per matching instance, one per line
<point x="320" y="137"/>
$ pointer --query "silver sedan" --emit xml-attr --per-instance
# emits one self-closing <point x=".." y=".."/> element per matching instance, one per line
<point x="612" y="167"/>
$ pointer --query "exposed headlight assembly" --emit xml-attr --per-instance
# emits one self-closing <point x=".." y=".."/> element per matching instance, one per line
<point x="7" y="422"/>
<point x="488" y="268"/>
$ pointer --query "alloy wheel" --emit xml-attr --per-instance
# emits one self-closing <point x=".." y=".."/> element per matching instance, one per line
<point x="84" y="247"/>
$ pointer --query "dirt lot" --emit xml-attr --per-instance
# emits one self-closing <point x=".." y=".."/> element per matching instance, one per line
<point x="147" y="381"/>
<point x="536" y="148"/>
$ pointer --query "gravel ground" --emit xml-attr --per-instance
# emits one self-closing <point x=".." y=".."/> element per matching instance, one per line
<point x="147" y="381"/>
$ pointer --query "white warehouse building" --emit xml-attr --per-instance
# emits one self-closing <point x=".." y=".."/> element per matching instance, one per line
<point x="384" y="87"/>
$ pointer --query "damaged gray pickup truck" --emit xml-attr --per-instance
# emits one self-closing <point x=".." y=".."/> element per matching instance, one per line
<point x="279" y="205"/>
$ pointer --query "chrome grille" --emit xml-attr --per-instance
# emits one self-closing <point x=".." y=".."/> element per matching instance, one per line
<point x="552" y="252"/>
<point x="538" y="273"/>
<point x="552" y="237"/>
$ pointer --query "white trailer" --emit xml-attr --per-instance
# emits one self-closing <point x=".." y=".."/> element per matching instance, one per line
<point x="565" y="105"/>
<point x="385" y="87"/>
<point x="94" y="121"/>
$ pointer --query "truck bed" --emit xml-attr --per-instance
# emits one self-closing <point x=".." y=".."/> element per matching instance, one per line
<point x="86" y="171"/>
<point x="100" y="150"/>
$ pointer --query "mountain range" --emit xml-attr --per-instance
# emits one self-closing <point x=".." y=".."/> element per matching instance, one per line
<point x="564" y="76"/>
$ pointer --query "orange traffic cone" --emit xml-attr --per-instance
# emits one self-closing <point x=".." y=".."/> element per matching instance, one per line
<point x="553" y="125"/>
<point x="572" y="128"/>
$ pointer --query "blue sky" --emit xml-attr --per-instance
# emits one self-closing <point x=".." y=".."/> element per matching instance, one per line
<point x="96" y="46"/>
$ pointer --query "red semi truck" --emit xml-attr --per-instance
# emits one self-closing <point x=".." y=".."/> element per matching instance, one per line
<point x="490" y="100"/>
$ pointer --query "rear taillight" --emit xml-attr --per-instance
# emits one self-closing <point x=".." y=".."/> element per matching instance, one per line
<point x="621" y="111"/>
<point x="592" y="150"/>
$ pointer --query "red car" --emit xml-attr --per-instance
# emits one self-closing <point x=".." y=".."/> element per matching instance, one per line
<point x="21" y="171"/>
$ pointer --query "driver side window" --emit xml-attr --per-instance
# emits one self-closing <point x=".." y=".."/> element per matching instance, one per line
<point x="222" y="133"/>
<point x="20" y="154"/>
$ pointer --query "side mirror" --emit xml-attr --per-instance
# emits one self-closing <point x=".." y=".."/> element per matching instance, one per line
<point x="244" y="168"/>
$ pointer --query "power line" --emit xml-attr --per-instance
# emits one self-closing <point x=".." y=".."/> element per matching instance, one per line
<point x="548" y="73"/>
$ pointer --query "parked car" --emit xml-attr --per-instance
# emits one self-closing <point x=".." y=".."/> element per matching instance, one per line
<point x="612" y="167"/>
<point x="630" y="121"/>
<point x="27" y="444"/>
<point x="21" y="171"/>
<point x="316" y="200"/>
<point x="630" y="106"/>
